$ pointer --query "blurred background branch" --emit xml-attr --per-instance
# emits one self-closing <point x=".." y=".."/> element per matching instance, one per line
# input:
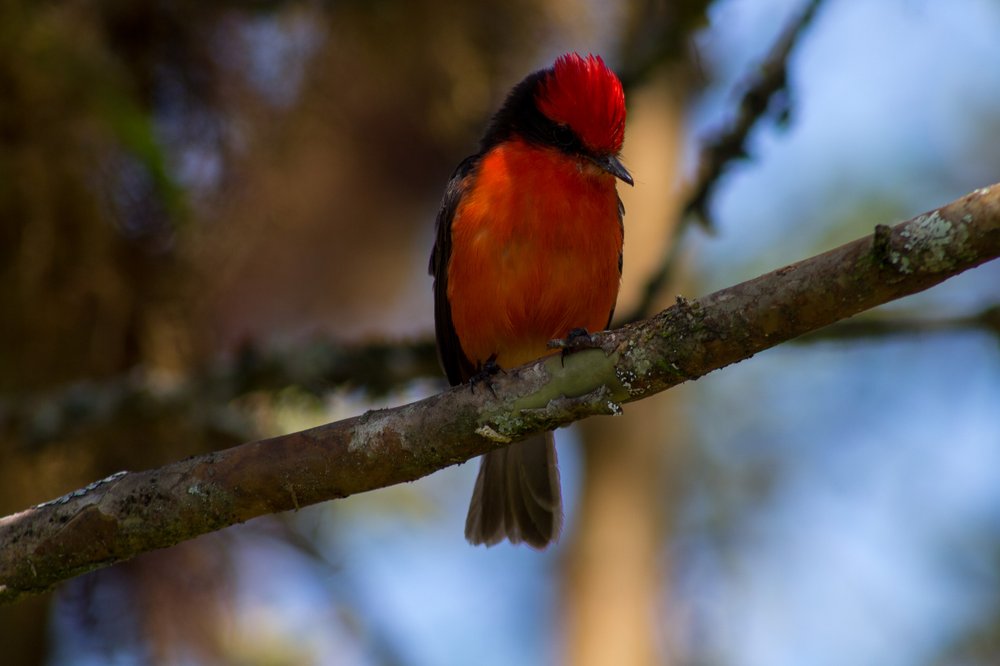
<point x="765" y="92"/>
<point x="208" y="394"/>
<point x="905" y="324"/>
<point x="319" y="368"/>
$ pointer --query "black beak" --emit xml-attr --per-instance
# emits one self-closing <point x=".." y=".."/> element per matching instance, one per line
<point x="613" y="165"/>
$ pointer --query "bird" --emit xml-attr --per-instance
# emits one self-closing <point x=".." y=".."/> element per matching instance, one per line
<point x="528" y="249"/>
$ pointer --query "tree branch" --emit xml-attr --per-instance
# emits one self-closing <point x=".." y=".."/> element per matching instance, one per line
<point x="130" y="513"/>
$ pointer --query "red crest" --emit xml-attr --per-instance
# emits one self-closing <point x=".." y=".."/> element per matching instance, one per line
<point x="588" y="97"/>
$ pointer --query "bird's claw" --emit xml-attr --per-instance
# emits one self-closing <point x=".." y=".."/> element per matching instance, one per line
<point x="575" y="340"/>
<point x="484" y="373"/>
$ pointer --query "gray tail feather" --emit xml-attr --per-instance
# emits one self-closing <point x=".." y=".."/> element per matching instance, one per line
<point x="517" y="495"/>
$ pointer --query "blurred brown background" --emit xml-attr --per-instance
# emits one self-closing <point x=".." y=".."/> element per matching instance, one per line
<point x="189" y="188"/>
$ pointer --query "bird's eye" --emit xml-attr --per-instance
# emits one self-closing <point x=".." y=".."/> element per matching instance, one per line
<point x="563" y="136"/>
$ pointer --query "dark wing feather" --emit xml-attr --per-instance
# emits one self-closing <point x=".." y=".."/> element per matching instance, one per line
<point x="456" y="365"/>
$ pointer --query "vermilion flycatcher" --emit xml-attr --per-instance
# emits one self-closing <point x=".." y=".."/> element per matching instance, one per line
<point x="529" y="247"/>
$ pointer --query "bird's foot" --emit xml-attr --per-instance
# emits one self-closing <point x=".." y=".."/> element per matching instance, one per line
<point x="575" y="340"/>
<point x="485" y="373"/>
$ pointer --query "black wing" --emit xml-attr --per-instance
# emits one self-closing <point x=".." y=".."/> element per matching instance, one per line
<point x="456" y="365"/>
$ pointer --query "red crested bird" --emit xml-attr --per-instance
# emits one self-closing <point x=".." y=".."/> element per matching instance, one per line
<point x="528" y="249"/>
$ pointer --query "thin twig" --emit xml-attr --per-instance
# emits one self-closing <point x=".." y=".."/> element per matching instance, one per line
<point x="769" y="82"/>
<point x="897" y="325"/>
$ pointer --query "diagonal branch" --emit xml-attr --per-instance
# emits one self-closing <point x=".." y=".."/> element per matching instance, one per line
<point x="769" y="85"/>
<point x="130" y="513"/>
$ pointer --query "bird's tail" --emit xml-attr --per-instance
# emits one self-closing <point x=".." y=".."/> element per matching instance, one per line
<point x="517" y="495"/>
